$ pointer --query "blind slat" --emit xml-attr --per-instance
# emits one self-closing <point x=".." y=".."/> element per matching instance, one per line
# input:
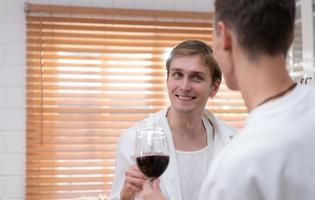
<point x="71" y="156"/>
<point x="49" y="20"/>
<point x="144" y="36"/>
<point x="113" y="29"/>
<point x="50" y="180"/>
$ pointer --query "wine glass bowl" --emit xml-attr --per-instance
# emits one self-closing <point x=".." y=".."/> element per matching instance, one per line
<point x="152" y="153"/>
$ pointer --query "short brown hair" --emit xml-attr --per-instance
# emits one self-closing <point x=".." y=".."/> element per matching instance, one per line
<point x="196" y="47"/>
<point x="261" y="26"/>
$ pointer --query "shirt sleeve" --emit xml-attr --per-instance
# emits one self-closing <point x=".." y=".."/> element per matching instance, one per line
<point x="124" y="159"/>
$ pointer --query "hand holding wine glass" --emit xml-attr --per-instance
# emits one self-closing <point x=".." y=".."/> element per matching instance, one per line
<point x="152" y="152"/>
<point x="134" y="180"/>
<point x="152" y="191"/>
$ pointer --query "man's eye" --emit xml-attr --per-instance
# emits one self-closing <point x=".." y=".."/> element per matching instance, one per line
<point x="177" y="75"/>
<point x="198" y="78"/>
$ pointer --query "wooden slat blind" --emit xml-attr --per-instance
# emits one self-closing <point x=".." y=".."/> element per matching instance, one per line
<point x="88" y="79"/>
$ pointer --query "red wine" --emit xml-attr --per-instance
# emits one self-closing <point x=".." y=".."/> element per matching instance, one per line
<point x="153" y="166"/>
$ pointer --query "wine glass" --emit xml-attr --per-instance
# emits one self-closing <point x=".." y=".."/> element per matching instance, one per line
<point x="152" y="153"/>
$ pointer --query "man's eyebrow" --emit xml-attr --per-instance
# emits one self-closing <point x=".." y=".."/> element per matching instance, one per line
<point x="200" y="73"/>
<point x="197" y="73"/>
<point x="175" y="69"/>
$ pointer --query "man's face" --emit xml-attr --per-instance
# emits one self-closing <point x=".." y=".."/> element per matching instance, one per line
<point x="189" y="83"/>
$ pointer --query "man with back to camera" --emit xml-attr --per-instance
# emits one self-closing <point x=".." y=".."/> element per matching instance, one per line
<point x="273" y="156"/>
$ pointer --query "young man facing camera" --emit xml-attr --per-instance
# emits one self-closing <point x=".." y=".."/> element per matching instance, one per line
<point x="194" y="135"/>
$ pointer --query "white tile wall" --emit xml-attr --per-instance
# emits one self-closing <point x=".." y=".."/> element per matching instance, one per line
<point x="14" y="97"/>
<point x="2" y="11"/>
<point x="15" y="54"/>
<point x="184" y="4"/>
<point x="144" y="4"/>
<point x="165" y="5"/>
<point x="13" y="75"/>
<point x="14" y="164"/>
<point x="103" y="3"/>
<point x="15" y="12"/>
<point x="2" y="99"/>
<point x="12" y="79"/>
<point x="2" y="167"/>
<point x="39" y="1"/>
<point x="14" y="187"/>
<point x="2" y="55"/>
<point x="123" y="4"/>
<point x="1" y="187"/>
<point x="204" y="5"/>
<point x="82" y="2"/>
<point x="13" y="34"/>
<point x="14" y="119"/>
<point x="2" y="148"/>
<point x="61" y="2"/>
<point x="16" y="138"/>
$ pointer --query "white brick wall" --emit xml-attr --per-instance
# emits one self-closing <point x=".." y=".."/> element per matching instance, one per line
<point x="12" y="100"/>
<point x="12" y="79"/>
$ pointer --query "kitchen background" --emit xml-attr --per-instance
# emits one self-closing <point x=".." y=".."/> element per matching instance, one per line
<point x="13" y="72"/>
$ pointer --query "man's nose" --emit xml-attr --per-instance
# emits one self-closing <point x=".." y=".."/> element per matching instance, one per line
<point x="185" y="84"/>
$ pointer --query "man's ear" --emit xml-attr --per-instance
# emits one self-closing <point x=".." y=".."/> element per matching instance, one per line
<point x="215" y="87"/>
<point x="223" y="33"/>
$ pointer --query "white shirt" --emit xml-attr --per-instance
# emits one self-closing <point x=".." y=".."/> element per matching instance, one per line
<point x="273" y="157"/>
<point x="193" y="167"/>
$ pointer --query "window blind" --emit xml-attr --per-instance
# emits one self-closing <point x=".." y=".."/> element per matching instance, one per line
<point x="89" y="77"/>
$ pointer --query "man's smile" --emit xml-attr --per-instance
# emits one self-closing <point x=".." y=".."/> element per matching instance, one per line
<point x="185" y="97"/>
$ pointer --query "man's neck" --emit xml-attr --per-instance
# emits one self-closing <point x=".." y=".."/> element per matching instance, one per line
<point x="185" y="122"/>
<point x="188" y="130"/>
<point x="266" y="77"/>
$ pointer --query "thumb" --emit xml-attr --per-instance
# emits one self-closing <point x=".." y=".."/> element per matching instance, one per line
<point x="156" y="185"/>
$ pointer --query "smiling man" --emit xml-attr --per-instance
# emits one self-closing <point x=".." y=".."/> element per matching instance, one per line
<point x="194" y="134"/>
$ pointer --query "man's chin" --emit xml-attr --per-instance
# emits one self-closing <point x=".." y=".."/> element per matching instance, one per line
<point x="184" y="109"/>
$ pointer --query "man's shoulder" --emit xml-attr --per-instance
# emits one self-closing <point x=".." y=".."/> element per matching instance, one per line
<point x="245" y="150"/>
<point x="219" y="125"/>
<point x="152" y="119"/>
<point x="236" y="170"/>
